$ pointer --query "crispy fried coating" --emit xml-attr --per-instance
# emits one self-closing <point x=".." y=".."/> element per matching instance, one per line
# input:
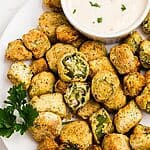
<point x="54" y="54"/>
<point x="16" y="51"/>
<point x="49" y="21"/>
<point x="144" y="54"/>
<point x="146" y="24"/>
<point x="116" y="141"/>
<point x="123" y="59"/>
<point x="42" y="83"/>
<point x="143" y="100"/>
<point x="93" y="50"/>
<point x="77" y="132"/>
<point x="133" y="83"/>
<point x="127" y="117"/>
<point x="39" y="65"/>
<point x="37" y="42"/>
<point x="52" y="3"/>
<point x="147" y="76"/>
<point x="47" y="124"/>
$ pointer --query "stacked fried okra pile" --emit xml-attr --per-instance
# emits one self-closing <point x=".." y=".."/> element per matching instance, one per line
<point x="70" y="74"/>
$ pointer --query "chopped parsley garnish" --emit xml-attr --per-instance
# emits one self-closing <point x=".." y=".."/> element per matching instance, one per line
<point x="123" y="7"/>
<point x="16" y="103"/>
<point x="74" y="11"/>
<point x="99" y="20"/>
<point x="94" y="4"/>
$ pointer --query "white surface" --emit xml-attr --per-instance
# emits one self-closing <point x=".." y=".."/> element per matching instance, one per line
<point x="25" y="19"/>
<point x="7" y="10"/>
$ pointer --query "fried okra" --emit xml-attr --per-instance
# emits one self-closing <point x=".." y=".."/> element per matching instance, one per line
<point x="38" y="66"/>
<point x="47" y="124"/>
<point x="37" y="42"/>
<point x="61" y="86"/>
<point x="143" y="100"/>
<point x="123" y="59"/>
<point x="140" y="138"/>
<point x="101" y="124"/>
<point x="78" y="133"/>
<point x="42" y="83"/>
<point x="48" y="144"/>
<point x="144" y="54"/>
<point x="77" y="95"/>
<point x="116" y="101"/>
<point x="88" y="109"/>
<point x="73" y="67"/>
<point x="99" y="65"/>
<point x="146" y="24"/>
<point x="93" y="50"/>
<point x="104" y="85"/>
<point x="133" y="83"/>
<point x="16" y="51"/>
<point x="116" y="141"/>
<point x="127" y="117"/>
<point x="52" y="3"/>
<point x="147" y="76"/>
<point x="20" y="73"/>
<point x="49" y="21"/>
<point x="67" y="34"/>
<point x="50" y="103"/>
<point x="134" y="40"/>
<point x="54" y="54"/>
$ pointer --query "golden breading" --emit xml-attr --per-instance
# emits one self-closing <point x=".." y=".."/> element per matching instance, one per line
<point x="39" y="65"/>
<point x="42" y="83"/>
<point x="104" y="85"/>
<point x="143" y="100"/>
<point x="140" y="138"/>
<point x="116" y="101"/>
<point x="52" y="3"/>
<point x="147" y="76"/>
<point x="88" y="109"/>
<point x="77" y="43"/>
<point x="146" y="24"/>
<point x="56" y="52"/>
<point x="123" y="59"/>
<point x="127" y="117"/>
<point x="50" y="103"/>
<point x="133" y="83"/>
<point x="77" y="132"/>
<point x="73" y="67"/>
<point x="77" y="95"/>
<point x="99" y="65"/>
<point x="101" y="124"/>
<point x="66" y="33"/>
<point x="48" y="144"/>
<point x="93" y="50"/>
<point x="37" y="42"/>
<point x="134" y="40"/>
<point x="116" y="141"/>
<point x="94" y="147"/>
<point x="61" y="86"/>
<point x="47" y="124"/>
<point x="144" y="54"/>
<point x="49" y="21"/>
<point x="20" y="73"/>
<point x="16" y="51"/>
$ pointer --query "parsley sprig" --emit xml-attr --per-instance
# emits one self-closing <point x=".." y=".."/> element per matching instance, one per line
<point x="16" y="102"/>
<point x="94" y="4"/>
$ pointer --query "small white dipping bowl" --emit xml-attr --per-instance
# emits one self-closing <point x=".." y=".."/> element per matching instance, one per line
<point x="106" y="38"/>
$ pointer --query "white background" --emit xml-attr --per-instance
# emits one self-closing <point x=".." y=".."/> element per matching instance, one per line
<point x="8" y="8"/>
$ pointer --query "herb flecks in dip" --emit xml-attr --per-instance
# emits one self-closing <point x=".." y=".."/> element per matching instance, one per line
<point x="106" y="17"/>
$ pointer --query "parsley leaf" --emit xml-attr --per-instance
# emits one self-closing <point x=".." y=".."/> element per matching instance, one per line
<point x="16" y="102"/>
<point x="99" y="20"/>
<point x="123" y="7"/>
<point x="74" y="11"/>
<point x="94" y="4"/>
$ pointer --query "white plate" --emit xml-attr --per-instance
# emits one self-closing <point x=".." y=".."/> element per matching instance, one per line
<point x="24" y="20"/>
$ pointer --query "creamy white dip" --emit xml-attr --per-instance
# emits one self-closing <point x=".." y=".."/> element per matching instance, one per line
<point x="106" y="16"/>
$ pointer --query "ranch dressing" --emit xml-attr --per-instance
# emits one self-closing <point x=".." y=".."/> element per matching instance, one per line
<point x="106" y="16"/>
